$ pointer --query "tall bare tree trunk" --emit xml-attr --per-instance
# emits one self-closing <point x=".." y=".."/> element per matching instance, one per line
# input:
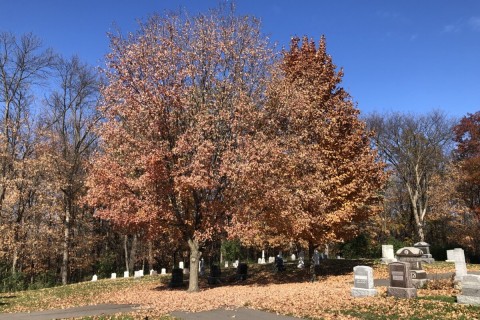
<point x="133" y="254"/>
<point x="66" y="247"/>
<point x="195" y="255"/>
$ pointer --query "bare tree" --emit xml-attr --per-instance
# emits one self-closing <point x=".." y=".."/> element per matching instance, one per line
<point x="23" y="65"/>
<point x="68" y="130"/>
<point x="415" y="147"/>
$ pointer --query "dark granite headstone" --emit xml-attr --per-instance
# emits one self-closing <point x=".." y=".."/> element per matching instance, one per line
<point x="177" y="278"/>
<point x="242" y="271"/>
<point x="400" y="275"/>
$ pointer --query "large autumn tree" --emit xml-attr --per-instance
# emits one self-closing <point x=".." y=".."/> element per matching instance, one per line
<point x="307" y="174"/>
<point x="174" y="91"/>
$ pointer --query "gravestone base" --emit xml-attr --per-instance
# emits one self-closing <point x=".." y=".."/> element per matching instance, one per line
<point x="419" y="283"/>
<point x="359" y="292"/>
<point x="402" y="292"/>
<point x="388" y="260"/>
<point x="468" y="300"/>
<point x="450" y="261"/>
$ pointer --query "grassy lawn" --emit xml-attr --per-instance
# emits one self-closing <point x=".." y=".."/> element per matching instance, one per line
<point x="296" y="295"/>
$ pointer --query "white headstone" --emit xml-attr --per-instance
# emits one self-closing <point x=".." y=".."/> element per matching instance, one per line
<point x="388" y="255"/>
<point x="164" y="271"/>
<point x="235" y="264"/>
<point x="94" y="278"/>
<point x="153" y="272"/>
<point x="259" y="260"/>
<point x="460" y="265"/>
<point x="114" y="276"/>
<point x="450" y="256"/>
<point x="226" y="264"/>
<point x="180" y="264"/>
<point x="470" y="290"/>
<point x="293" y="257"/>
<point x="138" y="274"/>
<point x="363" y="282"/>
<point x="271" y="259"/>
<point x="126" y="274"/>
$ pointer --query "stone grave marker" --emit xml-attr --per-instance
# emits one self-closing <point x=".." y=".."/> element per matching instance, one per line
<point x="126" y="274"/>
<point x="94" y="278"/>
<point x="450" y="256"/>
<point x="215" y="274"/>
<point x="425" y="247"/>
<point x="235" y="264"/>
<point x="470" y="290"/>
<point x="114" y="276"/>
<point x="263" y="257"/>
<point x="400" y="281"/>
<point x="387" y="254"/>
<point x="460" y="265"/>
<point x="293" y="257"/>
<point x="177" y="278"/>
<point x="271" y="259"/>
<point x="180" y="265"/>
<point x="164" y="271"/>
<point x="138" y="274"/>
<point x="153" y="272"/>
<point x="414" y="256"/>
<point x="260" y="261"/>
<point x="301" y="260"/>
<point x="242" y="271"/>
<point x="363" y="282"/>
<point x="316" y="257"/>
<point x="226" y="264"/>
<point x="201" y="267"/>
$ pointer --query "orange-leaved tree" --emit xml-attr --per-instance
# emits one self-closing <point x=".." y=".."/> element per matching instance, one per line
<point x="175" y="89"/>
<point x="308" y="174"/>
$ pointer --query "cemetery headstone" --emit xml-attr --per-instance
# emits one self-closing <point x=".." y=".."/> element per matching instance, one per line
<point x="293" y="257"/>
<point x="400" y="281"/>
<point x="114" y="276"/>
<point x="316" y="257"/>
<point x="126" y="274"/>
<point x="153" y="272"/>
<point x="460" y="265"/>
<point x="278" y="265"/>
<point x="414" y="256"/>
<point x="301" y="260"/>
<point x="180" y="265"/>
<point x="186" y="270"/>
<point x="235" y="264"/>
<point x="387" y="254"/>
<point x="271" y="259"/>
<point x="226" y="264"/>
<point x="363" y="282"/>
<point x="215" y="274"/>
<point x="425" y="247"/>
<point x="259" y="260"/>
<point x="201" y="267"/>
<point x="177" y="278"/>
<point x="263" y="257"/>
<point x="470" y="290"/>
<point x="164" y="271"/>
<point x="138" y="274"/>
<point x="450" y="256"/>
<point x="242" y="271"/>
<point x="94" y="278"/>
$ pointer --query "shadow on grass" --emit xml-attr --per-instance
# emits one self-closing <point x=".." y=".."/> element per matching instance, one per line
<point x="264" y="275"/>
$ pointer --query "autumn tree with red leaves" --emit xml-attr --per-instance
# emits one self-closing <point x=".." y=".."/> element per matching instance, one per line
<point x="175" y="90"/>
<point x="307" y="174"/>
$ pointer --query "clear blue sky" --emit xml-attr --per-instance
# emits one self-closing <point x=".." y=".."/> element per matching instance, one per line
<point x="404" y="55"/>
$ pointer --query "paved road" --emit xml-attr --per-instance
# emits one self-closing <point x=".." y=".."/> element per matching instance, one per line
<point x="101" y="309"/>
<point x="238" y="314"/>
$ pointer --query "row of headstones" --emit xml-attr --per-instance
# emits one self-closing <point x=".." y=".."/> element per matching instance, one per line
<point x="136" y="274"/>
<point x="388" y="255"/>
<point x="404" y="279"/>
<point x="317" y="257"/>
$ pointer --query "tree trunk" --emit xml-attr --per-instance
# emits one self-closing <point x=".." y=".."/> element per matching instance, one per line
<point x="125" y="247"/>
<point x="133" y="254"/>
<point x="195" y="255"/>
<point x="66" y="246"/>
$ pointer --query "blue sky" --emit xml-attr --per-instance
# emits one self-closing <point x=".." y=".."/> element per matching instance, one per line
<point x="404" y="55"/>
